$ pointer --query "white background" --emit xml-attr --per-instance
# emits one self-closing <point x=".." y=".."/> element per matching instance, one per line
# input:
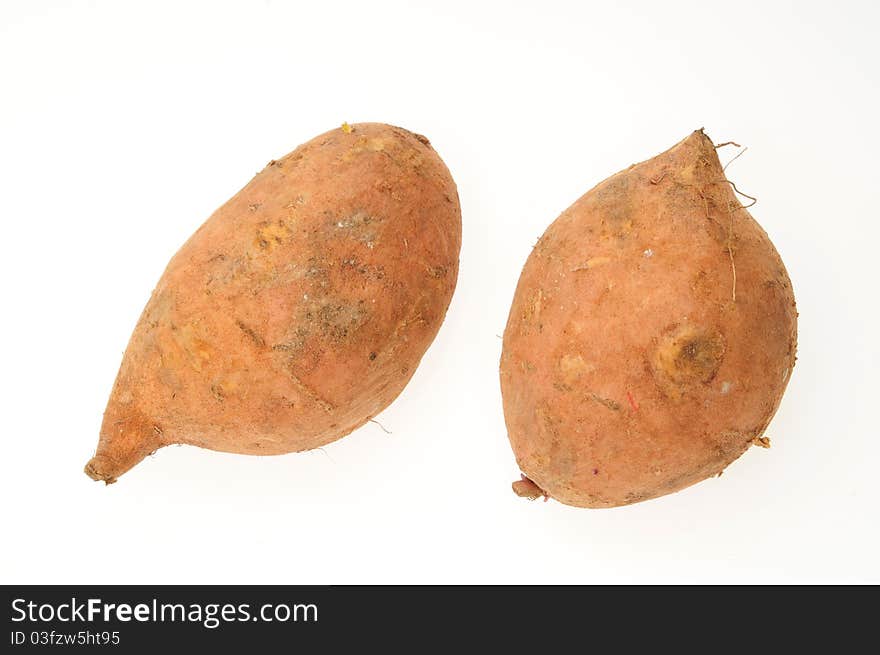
<point x="124" y="125"/>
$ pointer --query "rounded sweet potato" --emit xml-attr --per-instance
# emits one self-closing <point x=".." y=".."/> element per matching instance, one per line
<point x="299" y="310"/>
<point x="651" y="337"/>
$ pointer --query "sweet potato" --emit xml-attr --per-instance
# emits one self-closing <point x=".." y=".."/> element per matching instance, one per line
<point x="299" y="310"/>
<point x="651" y="336"/>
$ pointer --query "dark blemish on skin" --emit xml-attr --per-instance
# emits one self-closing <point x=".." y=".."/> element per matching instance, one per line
<point x="635" y="496"/>
<point x="372" y="356"/>
<point x="422" y="139"/>
<point x="595" y="471"/>
<point x="339" y="320"/>
<point x="606" y="402"/>
<point x="686" y="356"/>
<point x="293" y="345"/>
<point x="256" y="338"/>
<point x="690" y="350"/>
<point x="700" y="355"/>
<point x="217" y="392"/>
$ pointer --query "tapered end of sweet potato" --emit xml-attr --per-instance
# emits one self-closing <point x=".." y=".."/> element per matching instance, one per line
<point x="101" y="469"/>
<point x="127" y="436"/>
<point x="525" y="488"/>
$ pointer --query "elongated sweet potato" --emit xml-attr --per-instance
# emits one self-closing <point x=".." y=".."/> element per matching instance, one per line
<point x="651" y="337"/>
<point x="299" y="310"/>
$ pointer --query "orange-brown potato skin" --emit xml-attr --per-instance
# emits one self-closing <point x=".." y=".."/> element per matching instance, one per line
<point x="299" y="310"/>
<point x="651" y="336"/>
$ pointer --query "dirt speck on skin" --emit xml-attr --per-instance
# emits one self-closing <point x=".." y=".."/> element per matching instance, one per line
<point x="338" y="320"/>
<point x="353" y="263"/>
<point x="271" y="234"/>
<point x="359" y="226"/>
